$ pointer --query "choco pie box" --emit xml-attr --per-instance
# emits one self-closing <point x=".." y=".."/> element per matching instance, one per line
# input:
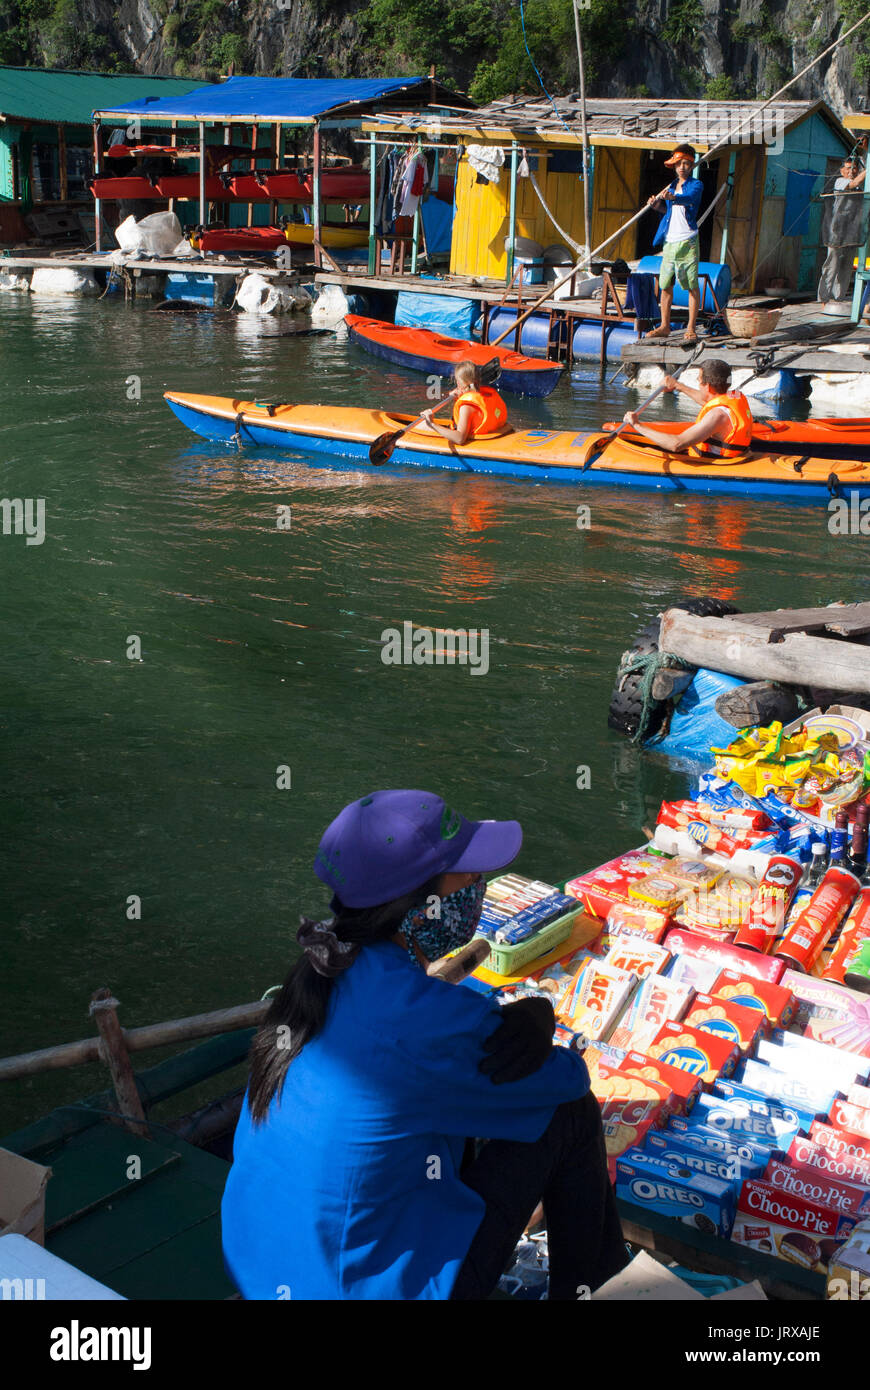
<point x="726" y="1019"/>
<point x="815" y="1185"/>
<point x="690" y="1049"/>
<point x="807" y="1153"/>
<point x="777" y="1223"/>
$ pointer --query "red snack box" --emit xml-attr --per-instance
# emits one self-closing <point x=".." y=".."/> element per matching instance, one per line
<point x="840" y="1141"/>
<point x="853" y="1118"/>
<point x="788" y="1226"/>
<point x="726" y="957"/>
<point x="775" y="1002"/>
<point x="605" y="888"/>
<point x="683" y="1087"/>
<point x="728" y="1020"/>
<point x="805" y="1153"/>
<point x="814" y="1185"/>
<point x="629" y="1108"/>
<point x="691" y="1050"/>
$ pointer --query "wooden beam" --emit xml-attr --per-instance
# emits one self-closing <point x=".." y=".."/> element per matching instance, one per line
<point x="113" y="1049"/>
<point x="740" y="649"/>
<point x="61" y="163"/>
<point x="846" y="619"/>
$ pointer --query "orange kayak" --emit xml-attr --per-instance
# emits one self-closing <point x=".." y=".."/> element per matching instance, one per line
<point x="826" y="437"/>
<point x="561" y="456"/>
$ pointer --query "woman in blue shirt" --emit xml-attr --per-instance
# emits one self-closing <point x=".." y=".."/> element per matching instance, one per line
<point x="369" y="1075"/>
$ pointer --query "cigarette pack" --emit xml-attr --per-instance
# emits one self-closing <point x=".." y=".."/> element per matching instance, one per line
<point x="671" y="1148"/>
<point x="735" y="958"/>
<point x="726" y="1019"/>
<point x="777" y="1004"/>
<point x="840" y="1142"/>
<point x="637" y="956"/>
<point x="657" y="1000"/>
<point x="757" y="1150"/>
<point x="683" y="1086"/>
<point x="816" y="1186"/>
<point x="692" y="1050"/>
<point x="684" y="1195"/>
<point x="806" y="1153"/>
<point x="733" y="1115"/>
<point x="804" y="1232"/>
<point x="806" y="1093"/>
<point x="595" y="998"/>
<point x="854" y="1118"/>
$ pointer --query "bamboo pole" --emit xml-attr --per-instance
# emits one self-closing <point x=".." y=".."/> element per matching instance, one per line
<point x="585" y="133"/>
<point x="136" y="1039"/>
<point x="104" y="1010"/>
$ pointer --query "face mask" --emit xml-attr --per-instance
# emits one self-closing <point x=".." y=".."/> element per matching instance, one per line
<point x="460" y="914"/>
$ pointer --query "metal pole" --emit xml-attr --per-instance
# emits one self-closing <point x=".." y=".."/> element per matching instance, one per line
<point x="586" y="232"/>
<point x="202" y="173"/>
<point x="373" y="171"/>
<point x="861" y="270"/>
<point x="512" y="216"/>
<point x="315" y="210"/>
<point x="98" y="169"/>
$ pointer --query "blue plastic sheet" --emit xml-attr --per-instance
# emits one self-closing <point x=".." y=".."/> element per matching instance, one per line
<point x="270" y="98"/>
<point x="695" y="725"/>
<point x="437" y="224"/>
<point x="439" y="312"/>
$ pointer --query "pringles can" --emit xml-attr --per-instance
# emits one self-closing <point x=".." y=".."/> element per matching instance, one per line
<point x="856" y="930"/>
<point x="766" y="916"/>
<point x="808" y="935"/>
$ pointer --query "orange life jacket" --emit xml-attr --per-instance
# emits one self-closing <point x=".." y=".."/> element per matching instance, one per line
<point x="489" y="412"/>
<point x="738" y="438"/>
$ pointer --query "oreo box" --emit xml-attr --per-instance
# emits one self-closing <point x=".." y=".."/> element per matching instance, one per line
<point x="736" y="1090"/>
<point x="692" y="1050"/>
<point x="777" y="1223"/>
<point x="749" y="1119"/>
<point x="676" y="1191"/>
<point x="671" y="1148"/>
<point x="804" y="1092"/>
<point x="717" y="1141"/>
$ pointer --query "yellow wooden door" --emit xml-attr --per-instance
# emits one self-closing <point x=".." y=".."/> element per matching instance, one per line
<point x="616" y="198"/>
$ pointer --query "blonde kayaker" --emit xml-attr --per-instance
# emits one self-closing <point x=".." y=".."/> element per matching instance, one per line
<point x="478" y="411"/>
<point x="723" y="426"/>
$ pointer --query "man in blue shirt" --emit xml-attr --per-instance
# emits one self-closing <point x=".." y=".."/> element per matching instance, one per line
<point x="678" y="230"/>
<point x="369" y="1075"/>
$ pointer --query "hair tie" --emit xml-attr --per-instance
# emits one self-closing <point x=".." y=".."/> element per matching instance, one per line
<point x="328" y="955"/>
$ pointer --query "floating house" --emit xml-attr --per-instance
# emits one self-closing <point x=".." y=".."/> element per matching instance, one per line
<point x="46" y="143"/>
<point x="769" y="168"/>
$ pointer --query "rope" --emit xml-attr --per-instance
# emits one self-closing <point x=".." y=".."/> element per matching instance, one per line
<point x="581" y="250"/>
<point x="649" y="663"/>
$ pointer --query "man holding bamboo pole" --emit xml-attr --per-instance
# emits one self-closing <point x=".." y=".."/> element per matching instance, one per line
<point x="678" y="230"/>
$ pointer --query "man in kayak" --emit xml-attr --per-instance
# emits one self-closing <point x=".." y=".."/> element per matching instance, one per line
<point x="351" y="1177"/>
<point x="678" y="230"/>
<point x="723" y="426"/>
<point x="478" y="411"/>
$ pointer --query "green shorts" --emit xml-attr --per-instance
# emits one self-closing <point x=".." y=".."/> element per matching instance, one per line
<point x="680" y="258"/>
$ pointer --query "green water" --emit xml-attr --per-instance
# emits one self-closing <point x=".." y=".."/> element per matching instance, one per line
<point x="261" y="649"/>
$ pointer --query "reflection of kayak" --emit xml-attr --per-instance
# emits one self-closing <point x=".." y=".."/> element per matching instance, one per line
<point x="827" y="437"/>
<point x="424" y="351"/>
<point x="537" y="455"/>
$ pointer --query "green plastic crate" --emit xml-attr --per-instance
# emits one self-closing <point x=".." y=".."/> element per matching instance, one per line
<point x="509" y="960"/>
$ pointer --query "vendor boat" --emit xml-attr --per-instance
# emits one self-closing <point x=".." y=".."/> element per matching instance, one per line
<point x="556" y="456"/>
<point x="437" y="355"/>
<point x="825" y="438"/>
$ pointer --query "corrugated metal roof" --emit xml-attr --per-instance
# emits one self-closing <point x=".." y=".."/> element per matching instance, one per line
<point x="272" y="98"/>
<point x="38" y="94"/>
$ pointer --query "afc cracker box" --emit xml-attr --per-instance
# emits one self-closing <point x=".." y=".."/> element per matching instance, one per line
<point x="726" y="1019"/>
<point x="703" y="1054"/>
<point x="816" y="1186"/>
<point x="656" y="1000"/>
<point x="637" y="956"/>
<point x="684" y="1087"/>
<point x="790" y="1227"/>
<point x="676" y="1191"/>
<point x="595" y="998"/>
<point x="777" y="1004"/>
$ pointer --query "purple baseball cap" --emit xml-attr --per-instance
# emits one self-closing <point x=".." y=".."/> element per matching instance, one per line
<point x="388" y="843"/>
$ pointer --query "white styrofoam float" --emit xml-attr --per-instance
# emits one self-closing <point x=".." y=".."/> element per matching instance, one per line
<point x="63" y="280"/>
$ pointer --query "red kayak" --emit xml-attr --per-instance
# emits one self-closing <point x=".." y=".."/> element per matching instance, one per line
<point x="242" y="239"/>
<point x="826" y="437"/>
<point x="424" y="351"/>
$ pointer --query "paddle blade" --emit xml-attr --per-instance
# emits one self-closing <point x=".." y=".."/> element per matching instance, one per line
<point x="383" y="446"/>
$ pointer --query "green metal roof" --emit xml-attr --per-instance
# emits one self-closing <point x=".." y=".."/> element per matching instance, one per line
<point x="70" y="98"/>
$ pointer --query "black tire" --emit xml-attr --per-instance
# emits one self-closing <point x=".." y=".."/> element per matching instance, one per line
<point x="626" y="701"/>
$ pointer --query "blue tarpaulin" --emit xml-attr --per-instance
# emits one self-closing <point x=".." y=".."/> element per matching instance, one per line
<point x="442" y="313"/>
<point x="695" y="725"/>
<point x="268" y="98"/>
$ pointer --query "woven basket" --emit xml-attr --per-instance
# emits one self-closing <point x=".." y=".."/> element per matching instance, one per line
<point x="752" y="323"/>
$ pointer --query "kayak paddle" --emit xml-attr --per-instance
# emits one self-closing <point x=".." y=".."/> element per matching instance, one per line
<point x="381" y="449"/>
<point x="606" y="439"/>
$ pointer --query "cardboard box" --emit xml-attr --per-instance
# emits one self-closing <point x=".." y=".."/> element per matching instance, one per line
<point x="806" y="1153"/>
<point x="683" y="1087"/>
<point x="725" y="1018"/>
<point x="792" y="1228"/>
<point x="816" y="1186"/>
<point x="777" y="1004"/>
<point x="736" y="958"/>
<point x="22" y="1197"/>
<point x="676" y="1191"/>
<point x="703" y="1054"/>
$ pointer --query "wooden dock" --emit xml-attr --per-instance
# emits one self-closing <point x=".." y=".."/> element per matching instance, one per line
<point x="196" y="264"/>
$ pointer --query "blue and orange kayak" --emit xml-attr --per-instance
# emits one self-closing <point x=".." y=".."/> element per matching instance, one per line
<point x="827" y="437"/>
<point x="437" y="355"/>
<point x="550" y="456"/>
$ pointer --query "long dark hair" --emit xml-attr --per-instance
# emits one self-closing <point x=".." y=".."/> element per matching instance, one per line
<point x="298" y="1013"/>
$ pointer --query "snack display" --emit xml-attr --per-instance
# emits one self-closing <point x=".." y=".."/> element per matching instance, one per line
<point x="595" y="998"/>
<point x="694" y="1051"/>
<point x="789" y="1226"/>
<point x="776" y="1003"/>
<point x="676" y="1190"/>
<point x="657" y="1000"/>
<point x="682" y="1086"/>
<point x="728" y="1020"/>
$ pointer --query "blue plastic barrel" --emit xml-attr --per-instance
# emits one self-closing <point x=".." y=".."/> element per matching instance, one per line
<point x="587" y="335"/>
<point x="534" y="333"/>
<point x="587" y="339"/>
<point x="720" y="278"/>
